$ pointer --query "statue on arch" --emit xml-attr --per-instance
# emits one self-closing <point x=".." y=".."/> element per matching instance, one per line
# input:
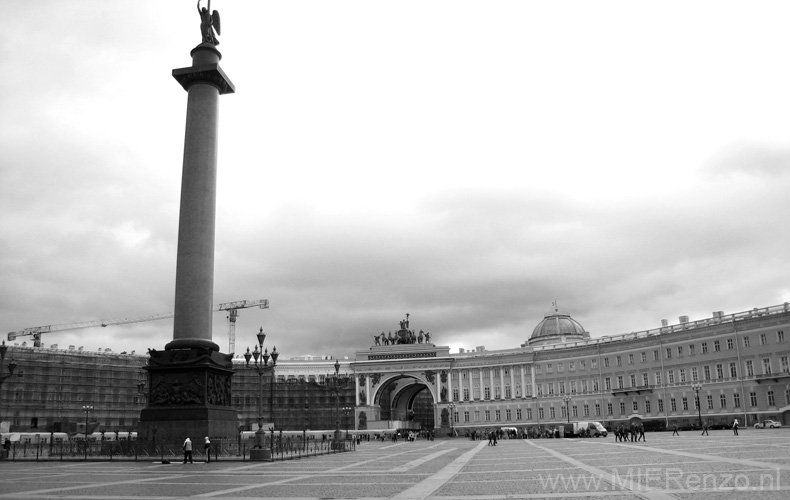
<point x="209" y="22"/>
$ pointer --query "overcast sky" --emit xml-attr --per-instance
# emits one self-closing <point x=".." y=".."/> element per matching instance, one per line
<point x="465" y="162"/>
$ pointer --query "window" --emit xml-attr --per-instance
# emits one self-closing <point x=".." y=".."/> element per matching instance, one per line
<point x="704" y="346"/>
<point x="550" y="386"/>
<point x="487" y="392"/>
<point x="584" y="383"/>
<point x="780" y="336"/>
<point x="685" y="402"/>
<point x="552" y="413"/>
<point x="746" y="341"/>
<point x="671" y="376"/>
<point x="497" y="392"/>
<point x="619" y="381"/>
<point x="660" y="405"/>
<point x="606" y="362"/>
<point x="540" y="414"/>
<point x="595" y="385"/>
<point x="574" y="411"/>
<point x="682" y="372"/>
<point x="635" y="406"/>
<point x="466" y="416"/>
<point x="609" y="409"/>
<point x="716" y="346"/>
<point x="658" y="378"/>
<point x="722" y="400"/>
<point x="582" y="365"/>
<point x="771" y="400"/>
<point x="586" y="409"/>
<point x="487" y="414"/>
<point x="497" y="415"/>
<point x="691" y="349"/>
<point x="608" y="383"/>
<point x="455" y="417"/>
<point x="598" y="409"/>
<point x="518" y="413"/>
<point x="680" y="350"/>
<point x="630" y="359"/>
<point x="562" y="387"/>
<point x="787" y="396"/>
<point x="710" y="401"/>
<point x="622" y="407"/>
<point x="733" y="370"/>
<point x="753" y="398"/>
<point x="669" y="353"/>
<point x="507" y="391"/>
<point x="644" y="357"/>
<point x="559" y="367"/>
<point x="763" y="339"/>
<point x="749" y="368"/>
<point x="706" y="371"/>
<point x="736" y="400"/>
<point x="694" y="375"/>
<point x="571" y="365"/>
<point x="529" y="413"/>
<point x="647" y="406"/>
<point x="784" y="362"/>
<point x="673" y="405"/>
<point x="766" y="366"/>
<point x="466" y="394"/>
<point x="655" y="355"/>
<point x="730" y="344"/>
<point x="455" y="394"/>
<point x="633" y="380"/>
<point x="594" y="363"/>
<point x="645" y="381"/>
<point x="548" y="368"/>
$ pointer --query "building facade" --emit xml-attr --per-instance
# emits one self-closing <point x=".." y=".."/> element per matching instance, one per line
<point x="715" y="370"/>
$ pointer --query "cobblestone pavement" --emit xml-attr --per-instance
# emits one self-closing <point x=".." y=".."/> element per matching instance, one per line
<point x="754" y="465"/>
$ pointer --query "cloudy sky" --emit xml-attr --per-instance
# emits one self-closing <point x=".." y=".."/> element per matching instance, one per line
<point x="465" y="162"/>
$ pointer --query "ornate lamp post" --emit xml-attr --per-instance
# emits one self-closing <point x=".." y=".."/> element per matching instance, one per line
<point x="452" y="418"/>
<point x="697" y="386"/>
<point x="346" y="411"/>
<point x="337" y="400"/>
<point x="11" y="368"/>
<point x="567" y="399"/>
<point x="87" y="409"/>
<point x="260" y="368"/>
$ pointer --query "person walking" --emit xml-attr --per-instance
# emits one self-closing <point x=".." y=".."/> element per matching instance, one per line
<point x="188" y="450"/>
<point x="207" y="450"/>
<point x="735" y="427"/>
<point x="642" y="433"/>
<point x="675" y="432"/>
<point x="704" y="429"/>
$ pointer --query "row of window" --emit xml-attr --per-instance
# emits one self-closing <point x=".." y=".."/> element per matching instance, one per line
<point x="647" y="407"/>
<point x="679" y="351"/>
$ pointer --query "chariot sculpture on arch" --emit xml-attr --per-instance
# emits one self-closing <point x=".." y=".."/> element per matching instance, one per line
<point x="209" y="22"/>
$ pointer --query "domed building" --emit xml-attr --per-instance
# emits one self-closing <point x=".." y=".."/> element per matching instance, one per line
<point x="557" y="328"/>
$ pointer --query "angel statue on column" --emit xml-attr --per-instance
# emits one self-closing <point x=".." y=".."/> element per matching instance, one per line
<point x="208" y="24"/>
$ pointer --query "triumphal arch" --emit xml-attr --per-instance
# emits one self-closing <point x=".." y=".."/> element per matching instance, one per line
<point x="394" y="373"/>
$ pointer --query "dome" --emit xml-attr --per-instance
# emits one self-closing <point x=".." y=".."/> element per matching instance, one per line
<point x="557" y="328"/>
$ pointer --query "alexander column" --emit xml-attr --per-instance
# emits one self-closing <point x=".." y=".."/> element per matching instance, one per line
<point x="189" y="389"/>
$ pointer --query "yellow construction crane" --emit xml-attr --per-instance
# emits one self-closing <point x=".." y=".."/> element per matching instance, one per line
<point x="231" y="307"/>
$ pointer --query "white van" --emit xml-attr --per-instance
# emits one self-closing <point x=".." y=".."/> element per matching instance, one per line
<point x="595" y="428"/>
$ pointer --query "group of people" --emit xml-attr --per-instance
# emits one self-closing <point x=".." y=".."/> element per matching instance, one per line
<point x="188" y="450"/>
<point x="635" y="433"/>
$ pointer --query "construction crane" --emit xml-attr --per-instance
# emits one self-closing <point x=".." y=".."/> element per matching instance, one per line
<point x="233" y="313"/>
<point x="231" y="307"/>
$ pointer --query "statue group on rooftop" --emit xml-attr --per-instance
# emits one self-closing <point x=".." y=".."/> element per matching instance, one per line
<point x="403" y="336"/>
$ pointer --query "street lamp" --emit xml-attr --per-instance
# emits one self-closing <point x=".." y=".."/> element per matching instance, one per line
<point x="567" y="399"/>
<point x="452" y="418"/>
<point x="346" y="411"/>
<point x="337" y="400"/>
<point x="87" y="409"/>
<point x="260" y="368"/>
<point x="697" y="386"/>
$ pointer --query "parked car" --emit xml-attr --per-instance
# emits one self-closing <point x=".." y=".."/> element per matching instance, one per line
<point x="767" y="423"/>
